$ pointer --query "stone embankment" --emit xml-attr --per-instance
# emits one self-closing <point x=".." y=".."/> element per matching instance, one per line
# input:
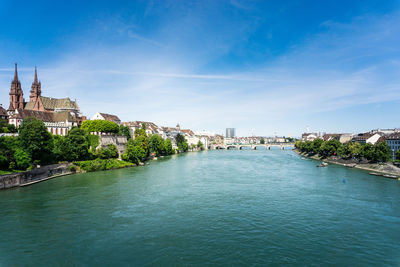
<point x="35" y="175"/>
<point x="387" y="170"/>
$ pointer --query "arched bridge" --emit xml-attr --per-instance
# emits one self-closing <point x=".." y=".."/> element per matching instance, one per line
<point x="253" y="146"/>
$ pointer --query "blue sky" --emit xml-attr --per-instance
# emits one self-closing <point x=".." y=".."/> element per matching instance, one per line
<point x="263" y="67"/>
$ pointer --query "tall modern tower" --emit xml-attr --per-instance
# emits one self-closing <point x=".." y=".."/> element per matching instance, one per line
<point x="230" y="133"/>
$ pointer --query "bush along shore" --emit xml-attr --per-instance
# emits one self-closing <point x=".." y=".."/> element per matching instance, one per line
<point x="35" y="147"/>
<point x="373" y="158"/>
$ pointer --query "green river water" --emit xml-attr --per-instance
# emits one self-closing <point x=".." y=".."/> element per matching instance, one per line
<point x="221" y="208"/>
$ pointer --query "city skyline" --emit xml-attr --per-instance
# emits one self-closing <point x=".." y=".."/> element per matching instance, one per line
<point x="258" y="67"/>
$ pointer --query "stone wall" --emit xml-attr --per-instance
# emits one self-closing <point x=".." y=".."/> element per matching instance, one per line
<point x="35" y="175"/>
<point x="118" y="141"/>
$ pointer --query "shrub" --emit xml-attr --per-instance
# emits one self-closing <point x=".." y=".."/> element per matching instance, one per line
<point x="102" y="126"/>
<point x="102" y="164"/>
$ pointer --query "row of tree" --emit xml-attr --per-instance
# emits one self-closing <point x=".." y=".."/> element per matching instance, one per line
<point x="351" y="150"/>
<point x="104" y="126"/>
<point x="35" y="145"/>
<point x="139" y="149"/>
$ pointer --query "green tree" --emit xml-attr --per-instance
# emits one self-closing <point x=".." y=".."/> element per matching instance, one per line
<point x="181" y="142"/>
<point x="124" y="131"/>
<point x="157" y="145"/>
<point x="262" y="141"/>
<point x="140" y="132"/>
<point x="382" y="152"/>
<point x="316" y="144"/>
<point x="113" y="151"/>
<point x="8" y="145"/>
<point x="329" y="148"/>
<point x="398" y="154"/>
<point x="368" y="152"/>
<point x="22" y="159"/>
<point x="168" y="147"/>
<point x="200" y="145"/>
<point x="102" y="153"/>
<point x="36" y="140"/>
<point x="102" y="126"/>
<point x="134" y="153"/>
<point x="75" y="145"/>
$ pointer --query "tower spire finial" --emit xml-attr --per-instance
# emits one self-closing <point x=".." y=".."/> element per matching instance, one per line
<point x="16" y="73"/>
<point x="36" y="79"/>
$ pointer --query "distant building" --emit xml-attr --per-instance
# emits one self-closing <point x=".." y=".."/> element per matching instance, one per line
<point x="309" y="136"/>
<point x="393" y="141"/>
<point x="367" y="138"/>
<point x="151" y="128"/>
<point x="230" y="133"/>
<point x="107" y="117"/>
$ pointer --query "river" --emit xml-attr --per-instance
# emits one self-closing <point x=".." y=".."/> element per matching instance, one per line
<point x="263" y="207"/>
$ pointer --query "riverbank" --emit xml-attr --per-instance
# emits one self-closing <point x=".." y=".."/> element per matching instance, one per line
<point x="386" y="170"/>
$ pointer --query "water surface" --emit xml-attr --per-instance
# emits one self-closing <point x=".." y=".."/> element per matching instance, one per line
<point x="208" y="208"/>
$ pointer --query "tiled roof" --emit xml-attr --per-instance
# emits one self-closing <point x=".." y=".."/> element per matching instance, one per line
<point x="188" y="132"/>
<point x="393" y="136"/>
<point x="151" y="126"/>
<point x="54" y="103"/>
<point x="44" y="116"/>
<point x="362" y="136"/>
<point x="110" y="117"/>
<point x="3" y="112"/>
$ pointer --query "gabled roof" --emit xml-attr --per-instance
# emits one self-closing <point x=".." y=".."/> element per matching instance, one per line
<point x="149" y="125"/>
<point x="3" y="112"/>
<point x="54" y="103"/>
<point x="44" y="116"/>
<point x="188" y="132"/>
<point x="110" y="117"/>
<point x="393" y="136"/>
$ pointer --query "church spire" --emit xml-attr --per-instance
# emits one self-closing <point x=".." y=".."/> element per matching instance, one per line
<point x="15" y="73"/>
<point x="36" y="79"/>
<point x="16" y="94"/>
<point x="36" y="89"/>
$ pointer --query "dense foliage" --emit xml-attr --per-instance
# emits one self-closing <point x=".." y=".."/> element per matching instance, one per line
<point x="36" y="140"/>
<point x="200" y="145"/>
<point x="35" y="145"/>
<point x="101" y="164"/>
<point x="181" y="143"/>
<point x="124" y="131"/>
<point x="102" y="126"/>
<point x="140" y="148"/>
<point x="6" y="128"/>
<point x="351" y="150"/>
<point x="262" y="141"/>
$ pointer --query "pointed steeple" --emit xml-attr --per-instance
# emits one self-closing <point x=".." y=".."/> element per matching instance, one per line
<point x="16" y="94"/>
<point x="36" y="79"/>
<point x="36" y="89"/>
<point x="16" y="74"/>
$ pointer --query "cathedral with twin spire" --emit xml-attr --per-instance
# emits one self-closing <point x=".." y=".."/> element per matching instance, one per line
<point x="58" y="114"/>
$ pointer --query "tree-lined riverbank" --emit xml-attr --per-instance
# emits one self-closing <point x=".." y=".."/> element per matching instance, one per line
<point x="387" y="170"/>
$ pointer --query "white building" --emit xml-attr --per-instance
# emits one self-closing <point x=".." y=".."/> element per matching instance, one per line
<point x="107" y="117"/>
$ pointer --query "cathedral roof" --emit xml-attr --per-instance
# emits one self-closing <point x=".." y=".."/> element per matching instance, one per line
<point x="54" y="103"/>
<point x="44" y="116"/>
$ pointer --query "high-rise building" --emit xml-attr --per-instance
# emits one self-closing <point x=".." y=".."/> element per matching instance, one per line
<point x="230" y="133"/>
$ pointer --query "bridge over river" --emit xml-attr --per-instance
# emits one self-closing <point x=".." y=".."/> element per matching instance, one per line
<point x="282" y="146"/>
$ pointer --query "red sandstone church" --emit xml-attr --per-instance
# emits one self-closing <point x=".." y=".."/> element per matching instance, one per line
<point x="59" y="115"/>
